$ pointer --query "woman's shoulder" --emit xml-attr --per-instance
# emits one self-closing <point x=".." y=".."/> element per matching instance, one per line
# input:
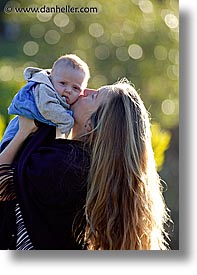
<point x="71" y="146"/>
<point x="61" y="153"/>
<point x="58" y="165"/>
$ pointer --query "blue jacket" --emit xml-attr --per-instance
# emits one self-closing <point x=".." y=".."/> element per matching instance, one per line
<point x="23" y="104"/>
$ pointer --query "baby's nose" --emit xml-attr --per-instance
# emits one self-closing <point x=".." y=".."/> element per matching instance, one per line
<point x="68" y="89"/>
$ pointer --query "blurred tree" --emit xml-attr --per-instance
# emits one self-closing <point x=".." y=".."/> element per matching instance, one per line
<point x="2" y="126"/>
<point x="137" y="39"/>
<point x="160" y="143"/>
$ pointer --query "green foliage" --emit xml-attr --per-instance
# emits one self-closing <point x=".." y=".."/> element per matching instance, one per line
<point x="2" y="126"/>
<point x="160" y="143"/>
<point x="136" y="39"/>
<point x="8" y="90"/>
<point x="133" y="38"/>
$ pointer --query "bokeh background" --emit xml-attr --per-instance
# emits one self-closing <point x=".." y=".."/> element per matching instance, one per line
<point x="137" y="39"/>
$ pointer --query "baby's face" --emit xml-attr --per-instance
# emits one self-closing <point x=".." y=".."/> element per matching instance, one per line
<point x="68" y="82"/>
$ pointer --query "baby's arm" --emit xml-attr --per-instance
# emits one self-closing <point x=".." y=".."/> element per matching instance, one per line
<point x="51" y="109"/>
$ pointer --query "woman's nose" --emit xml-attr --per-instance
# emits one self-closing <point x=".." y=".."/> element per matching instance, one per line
<point x="87" y="92"/>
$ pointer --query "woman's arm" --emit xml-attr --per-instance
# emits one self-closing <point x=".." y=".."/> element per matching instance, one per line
<point x="26" y="127"/>
<point x="7" y="187"/>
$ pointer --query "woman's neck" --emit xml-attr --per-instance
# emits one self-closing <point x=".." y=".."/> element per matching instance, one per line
<point x="76" y="132"/>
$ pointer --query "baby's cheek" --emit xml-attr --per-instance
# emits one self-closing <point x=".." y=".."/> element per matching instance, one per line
<point x="73" y="99"/>
<point x="76" y="96"/>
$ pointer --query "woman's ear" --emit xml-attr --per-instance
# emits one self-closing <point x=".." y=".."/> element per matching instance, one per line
<point x="88" y="126"/>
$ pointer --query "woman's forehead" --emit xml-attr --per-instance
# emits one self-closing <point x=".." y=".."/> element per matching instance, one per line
<point x="103" y="90"/>
<point x="103" y="94"/>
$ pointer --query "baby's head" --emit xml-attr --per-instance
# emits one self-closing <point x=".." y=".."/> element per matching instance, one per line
<point x="70" y="75"/>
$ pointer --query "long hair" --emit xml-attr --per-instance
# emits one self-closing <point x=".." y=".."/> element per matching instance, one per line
<point x="125" y="209"/>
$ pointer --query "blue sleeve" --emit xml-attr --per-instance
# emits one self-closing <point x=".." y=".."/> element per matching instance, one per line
<point x="10" y="132"/>
<point x="24" y="104"/>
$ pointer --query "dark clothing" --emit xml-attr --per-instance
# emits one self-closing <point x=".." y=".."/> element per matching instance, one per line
<point x="51" y="180"/>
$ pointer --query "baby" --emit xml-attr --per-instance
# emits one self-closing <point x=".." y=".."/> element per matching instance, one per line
<point x="48" y="94"/>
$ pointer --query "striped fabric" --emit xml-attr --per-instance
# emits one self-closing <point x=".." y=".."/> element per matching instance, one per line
<point x="7" y="193"/>
<point x="23" y="240"/>
<point x="7" y="188"/>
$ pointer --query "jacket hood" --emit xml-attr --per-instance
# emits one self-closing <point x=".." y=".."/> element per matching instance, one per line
<point x="38" y="75"/>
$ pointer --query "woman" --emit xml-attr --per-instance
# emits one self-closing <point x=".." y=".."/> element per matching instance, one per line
<point x="99" y="190"/>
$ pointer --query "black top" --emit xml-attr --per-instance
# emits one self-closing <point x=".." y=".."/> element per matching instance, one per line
<point x="51" y="181"/>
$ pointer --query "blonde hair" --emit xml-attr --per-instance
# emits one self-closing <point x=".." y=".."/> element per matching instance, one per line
<point x="125" y="209"/>
<point x="75" y="63"/>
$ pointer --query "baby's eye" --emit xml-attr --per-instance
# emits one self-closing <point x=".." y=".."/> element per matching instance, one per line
<point x="76" y="88"/>
<point x="63" y="83"/>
